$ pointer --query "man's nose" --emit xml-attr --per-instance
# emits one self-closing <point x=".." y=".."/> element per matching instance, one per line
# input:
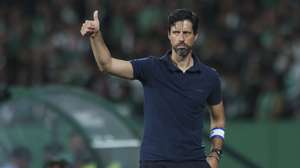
<point x="181" y="37"/>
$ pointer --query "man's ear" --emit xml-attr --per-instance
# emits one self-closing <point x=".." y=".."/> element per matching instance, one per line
<point x="169" y="35"/>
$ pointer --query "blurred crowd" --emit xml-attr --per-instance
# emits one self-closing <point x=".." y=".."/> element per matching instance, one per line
<point x="253" y="44"/>
<point x="54" y="155"/>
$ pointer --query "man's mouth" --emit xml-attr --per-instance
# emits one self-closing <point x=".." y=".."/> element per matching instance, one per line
<point x="181" y="46"/>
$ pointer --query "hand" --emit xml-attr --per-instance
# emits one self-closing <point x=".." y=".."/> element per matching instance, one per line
<point x="91" y="27"/>
<point x="212" y="161"/>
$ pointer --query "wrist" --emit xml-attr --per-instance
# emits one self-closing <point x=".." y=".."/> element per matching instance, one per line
<point x="96" y="34"/>
<point x="217" y="133"/>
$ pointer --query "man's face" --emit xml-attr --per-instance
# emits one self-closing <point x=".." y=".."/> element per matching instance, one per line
<point x="182" y="37"/>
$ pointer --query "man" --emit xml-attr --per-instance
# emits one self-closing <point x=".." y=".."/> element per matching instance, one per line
<point x="177" y="86"/>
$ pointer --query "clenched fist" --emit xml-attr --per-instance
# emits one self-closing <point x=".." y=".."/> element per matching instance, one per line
<point x="90" y="27"/>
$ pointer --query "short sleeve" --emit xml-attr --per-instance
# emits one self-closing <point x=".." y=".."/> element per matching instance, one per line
<point x="141" y="68"/>
<point x="215" y="97"/>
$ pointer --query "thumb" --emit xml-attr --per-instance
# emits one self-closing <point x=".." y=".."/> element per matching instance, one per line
<point x="96" y="15"/>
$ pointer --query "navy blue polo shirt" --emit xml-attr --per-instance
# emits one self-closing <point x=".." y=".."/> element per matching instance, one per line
<point x="174" y="104"/>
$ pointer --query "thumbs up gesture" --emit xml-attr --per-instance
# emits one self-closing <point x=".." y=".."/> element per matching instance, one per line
<point x="91" y="27"/>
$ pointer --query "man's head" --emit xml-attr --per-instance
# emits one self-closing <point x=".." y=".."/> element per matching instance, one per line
<point x="182" y="31"/>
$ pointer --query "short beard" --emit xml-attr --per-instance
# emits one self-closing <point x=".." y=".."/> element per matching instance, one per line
<point x="182" y="51"/>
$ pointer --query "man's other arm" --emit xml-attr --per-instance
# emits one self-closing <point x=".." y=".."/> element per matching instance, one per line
<point x="217" y="120"/>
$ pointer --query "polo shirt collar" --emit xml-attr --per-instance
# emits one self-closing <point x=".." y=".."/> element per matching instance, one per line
<point x="166" y="58"/>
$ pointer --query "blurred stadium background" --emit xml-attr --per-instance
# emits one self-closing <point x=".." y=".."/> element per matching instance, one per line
<point x="55" y="105"/>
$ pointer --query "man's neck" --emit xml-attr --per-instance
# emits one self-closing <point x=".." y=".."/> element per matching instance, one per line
<point x="183" y="63"/>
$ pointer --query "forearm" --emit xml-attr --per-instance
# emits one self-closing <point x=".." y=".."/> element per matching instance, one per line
<point x="101" y="53"/>
<point x="217" y="124"/>
<point x="217" y="121"/>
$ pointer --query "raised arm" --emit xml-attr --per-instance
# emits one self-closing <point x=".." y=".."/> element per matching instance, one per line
<point x="105" y="61"/>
